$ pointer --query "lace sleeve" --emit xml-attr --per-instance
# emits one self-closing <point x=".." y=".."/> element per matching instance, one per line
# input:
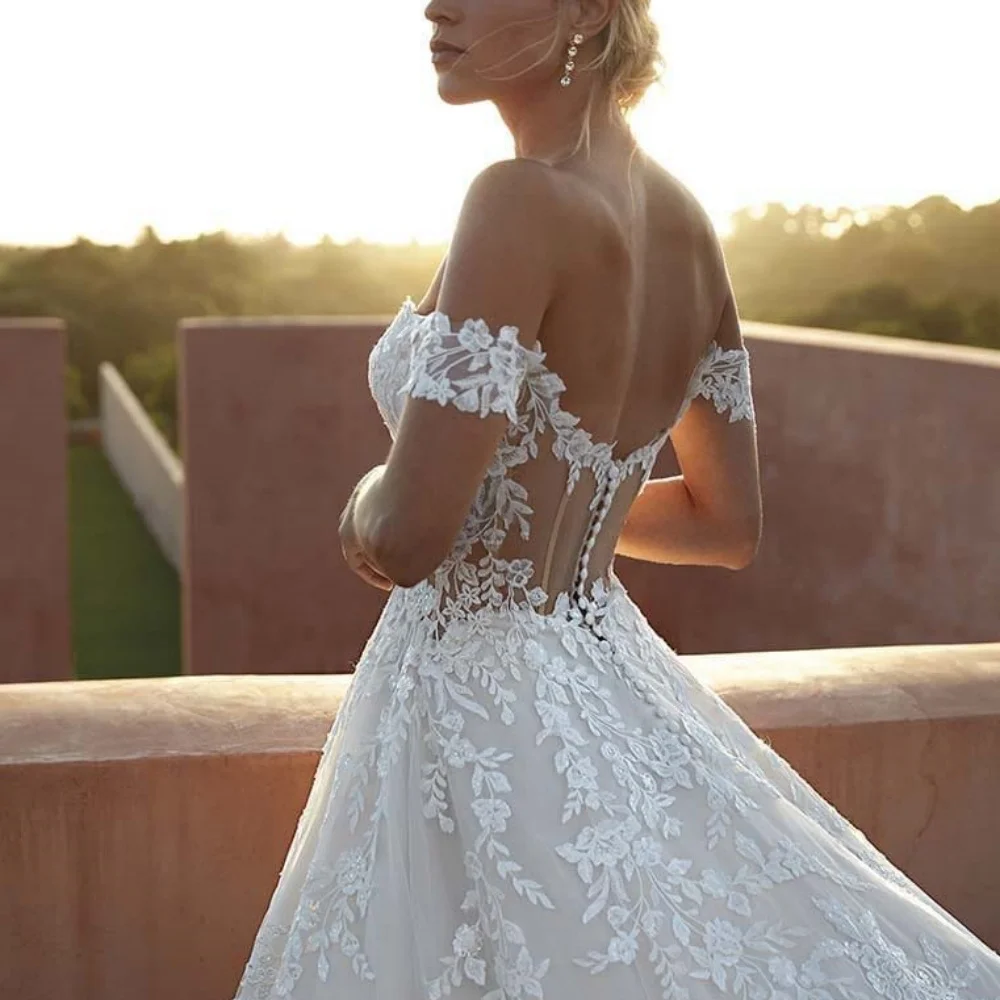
<point x="475" y="370"/>
<point x="722" y="376"/>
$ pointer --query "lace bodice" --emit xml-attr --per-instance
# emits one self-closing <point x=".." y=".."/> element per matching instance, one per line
<point x="500" y="559"/>
<point x="521" y="806"/>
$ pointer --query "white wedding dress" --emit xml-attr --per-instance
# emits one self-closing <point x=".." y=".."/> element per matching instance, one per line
<point x="528" y="794"/>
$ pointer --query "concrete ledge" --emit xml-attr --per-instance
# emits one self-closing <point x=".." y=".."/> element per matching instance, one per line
<point x="144" y="822"/>
<point x="166" y="717"/>
<point x="792" y="689"/>
<point x="846" y="340"/>
<point x="258" y="713"/>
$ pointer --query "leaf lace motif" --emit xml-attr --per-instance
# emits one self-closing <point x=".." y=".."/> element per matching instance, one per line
<point x="692" y="847"/>
<point x="722" y="376"/>
<point x="662" y="791"/>
<point x="480" y="373"/>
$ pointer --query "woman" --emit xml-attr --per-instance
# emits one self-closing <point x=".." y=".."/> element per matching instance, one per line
<point x="526" y="792"/>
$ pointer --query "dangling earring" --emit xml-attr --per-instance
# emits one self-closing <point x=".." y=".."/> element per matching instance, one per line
<point x="567" y="77"/>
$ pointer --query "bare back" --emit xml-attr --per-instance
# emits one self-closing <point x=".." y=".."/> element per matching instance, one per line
<point x="639" y="296"/>
<point x="643" y="296"/>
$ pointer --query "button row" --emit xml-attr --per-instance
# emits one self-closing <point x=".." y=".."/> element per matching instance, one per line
<point x="662" y="711"/>
<point x="609" y="487"/>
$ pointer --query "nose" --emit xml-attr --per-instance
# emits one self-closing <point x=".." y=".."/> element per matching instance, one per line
<point x="438" y="12"/>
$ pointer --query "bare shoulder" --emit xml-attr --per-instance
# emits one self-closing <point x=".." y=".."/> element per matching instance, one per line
<point x="678" y="209"/>
<point x="501" y="265"/>
<point x="512" y="197"/>
<point x="516" y="175"/>
<point x="684" y="226"/>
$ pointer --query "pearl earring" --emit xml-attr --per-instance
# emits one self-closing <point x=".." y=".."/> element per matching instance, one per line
<point x="567" y="77"/>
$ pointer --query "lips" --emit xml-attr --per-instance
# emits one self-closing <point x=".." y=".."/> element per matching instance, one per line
<point x="443" y="48"/>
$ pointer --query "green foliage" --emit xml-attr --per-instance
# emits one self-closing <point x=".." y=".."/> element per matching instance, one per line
<point x="930" y="271"/>
<point x="76" y="403"/>
<point x="152" y="376"/>
<point x="123" y="304"/>
<point x="125" y="596"/>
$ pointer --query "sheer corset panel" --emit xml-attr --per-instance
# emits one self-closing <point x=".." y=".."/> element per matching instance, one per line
<point x="575" y="524"/>
<point x="543" y="527"/>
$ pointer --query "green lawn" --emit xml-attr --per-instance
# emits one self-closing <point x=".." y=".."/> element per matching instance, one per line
<point x="125" y="595"/>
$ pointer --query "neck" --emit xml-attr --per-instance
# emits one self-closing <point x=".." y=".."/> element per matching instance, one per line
<point x="547" y="127"/>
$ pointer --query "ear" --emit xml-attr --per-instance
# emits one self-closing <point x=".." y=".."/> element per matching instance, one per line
<point x="591" y="16"/>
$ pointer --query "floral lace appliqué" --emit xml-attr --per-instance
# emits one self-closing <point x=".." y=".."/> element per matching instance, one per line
<point x="576" y="805"/>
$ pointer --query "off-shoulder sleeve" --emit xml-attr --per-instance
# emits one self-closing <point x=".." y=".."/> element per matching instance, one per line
<point x="722" y="376"/>
<point x="472" y="368"/>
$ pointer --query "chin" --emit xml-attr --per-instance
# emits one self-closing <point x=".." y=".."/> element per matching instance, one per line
<point x="454" y="91"/>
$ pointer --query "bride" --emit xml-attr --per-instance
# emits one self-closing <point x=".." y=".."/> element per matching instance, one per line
<point x="526" y="792"/>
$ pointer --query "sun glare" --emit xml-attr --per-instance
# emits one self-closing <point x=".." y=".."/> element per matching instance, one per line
<point x="324" y="118"/>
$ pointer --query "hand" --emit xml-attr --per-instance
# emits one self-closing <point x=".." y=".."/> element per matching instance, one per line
<point x="354" y="555"/>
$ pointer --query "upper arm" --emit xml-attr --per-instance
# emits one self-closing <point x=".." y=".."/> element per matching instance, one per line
<point x="716" y="438"/>
<point x="466" y="373"/>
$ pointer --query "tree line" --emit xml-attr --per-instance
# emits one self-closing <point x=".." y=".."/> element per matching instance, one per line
<point x="929" y="271"/>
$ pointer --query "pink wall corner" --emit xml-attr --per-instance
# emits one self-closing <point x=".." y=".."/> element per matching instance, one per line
<point x="881" y="488"/>
<point x="277" y="426"/>
<point x="878" y="476"/>
<point x="34" y="512"/>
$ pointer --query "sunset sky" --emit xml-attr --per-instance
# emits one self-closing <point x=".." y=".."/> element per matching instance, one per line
<point x="313" y="117"/>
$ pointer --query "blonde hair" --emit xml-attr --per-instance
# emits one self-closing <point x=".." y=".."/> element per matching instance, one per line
<point x="629" y="60"/>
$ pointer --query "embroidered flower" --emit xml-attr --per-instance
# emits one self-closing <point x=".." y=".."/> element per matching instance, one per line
<point x="647" y="852"/>
<point x="557" y="670"/>
<point x="453" y="720"/>
<point x="466" y="941"/>
<point x="474" y="336"/>
<point x="623" y="948"/>
<point x="723" y="942"/>
<point x="582" y="774"/>
<point x="651" y="922"/>
<point x="521" y="978"/>
<point x="351" y="871"/>
<point x="519" y="573"/>
<point x="459" y="751"/>
<point x="714" y="883"/>
<point x="507" y="365"/>
<point x="492" y="814"/>
<point x="473" y="866"/>
<point x="604" y="844"/>
<point x="782" y="970"/>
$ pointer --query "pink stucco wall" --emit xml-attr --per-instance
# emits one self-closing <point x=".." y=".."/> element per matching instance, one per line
<point x="879" y="473"/>
<point x="276" y="428"/>
<point x="34" y="553"/>
<point x="144" y="822"/>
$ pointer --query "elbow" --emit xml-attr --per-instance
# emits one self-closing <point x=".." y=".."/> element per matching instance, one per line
<point x="745" y="545"/>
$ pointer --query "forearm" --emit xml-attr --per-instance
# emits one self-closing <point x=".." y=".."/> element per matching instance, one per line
<point x="404" y="544"/>
<point x="667" y="525"/>
<point x="363" y="511"/>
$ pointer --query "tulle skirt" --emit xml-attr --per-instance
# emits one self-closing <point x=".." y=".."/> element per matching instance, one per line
<point x="536" y="805"/>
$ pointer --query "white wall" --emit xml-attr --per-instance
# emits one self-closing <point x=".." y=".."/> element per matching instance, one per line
<point x="145" y="463"/>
